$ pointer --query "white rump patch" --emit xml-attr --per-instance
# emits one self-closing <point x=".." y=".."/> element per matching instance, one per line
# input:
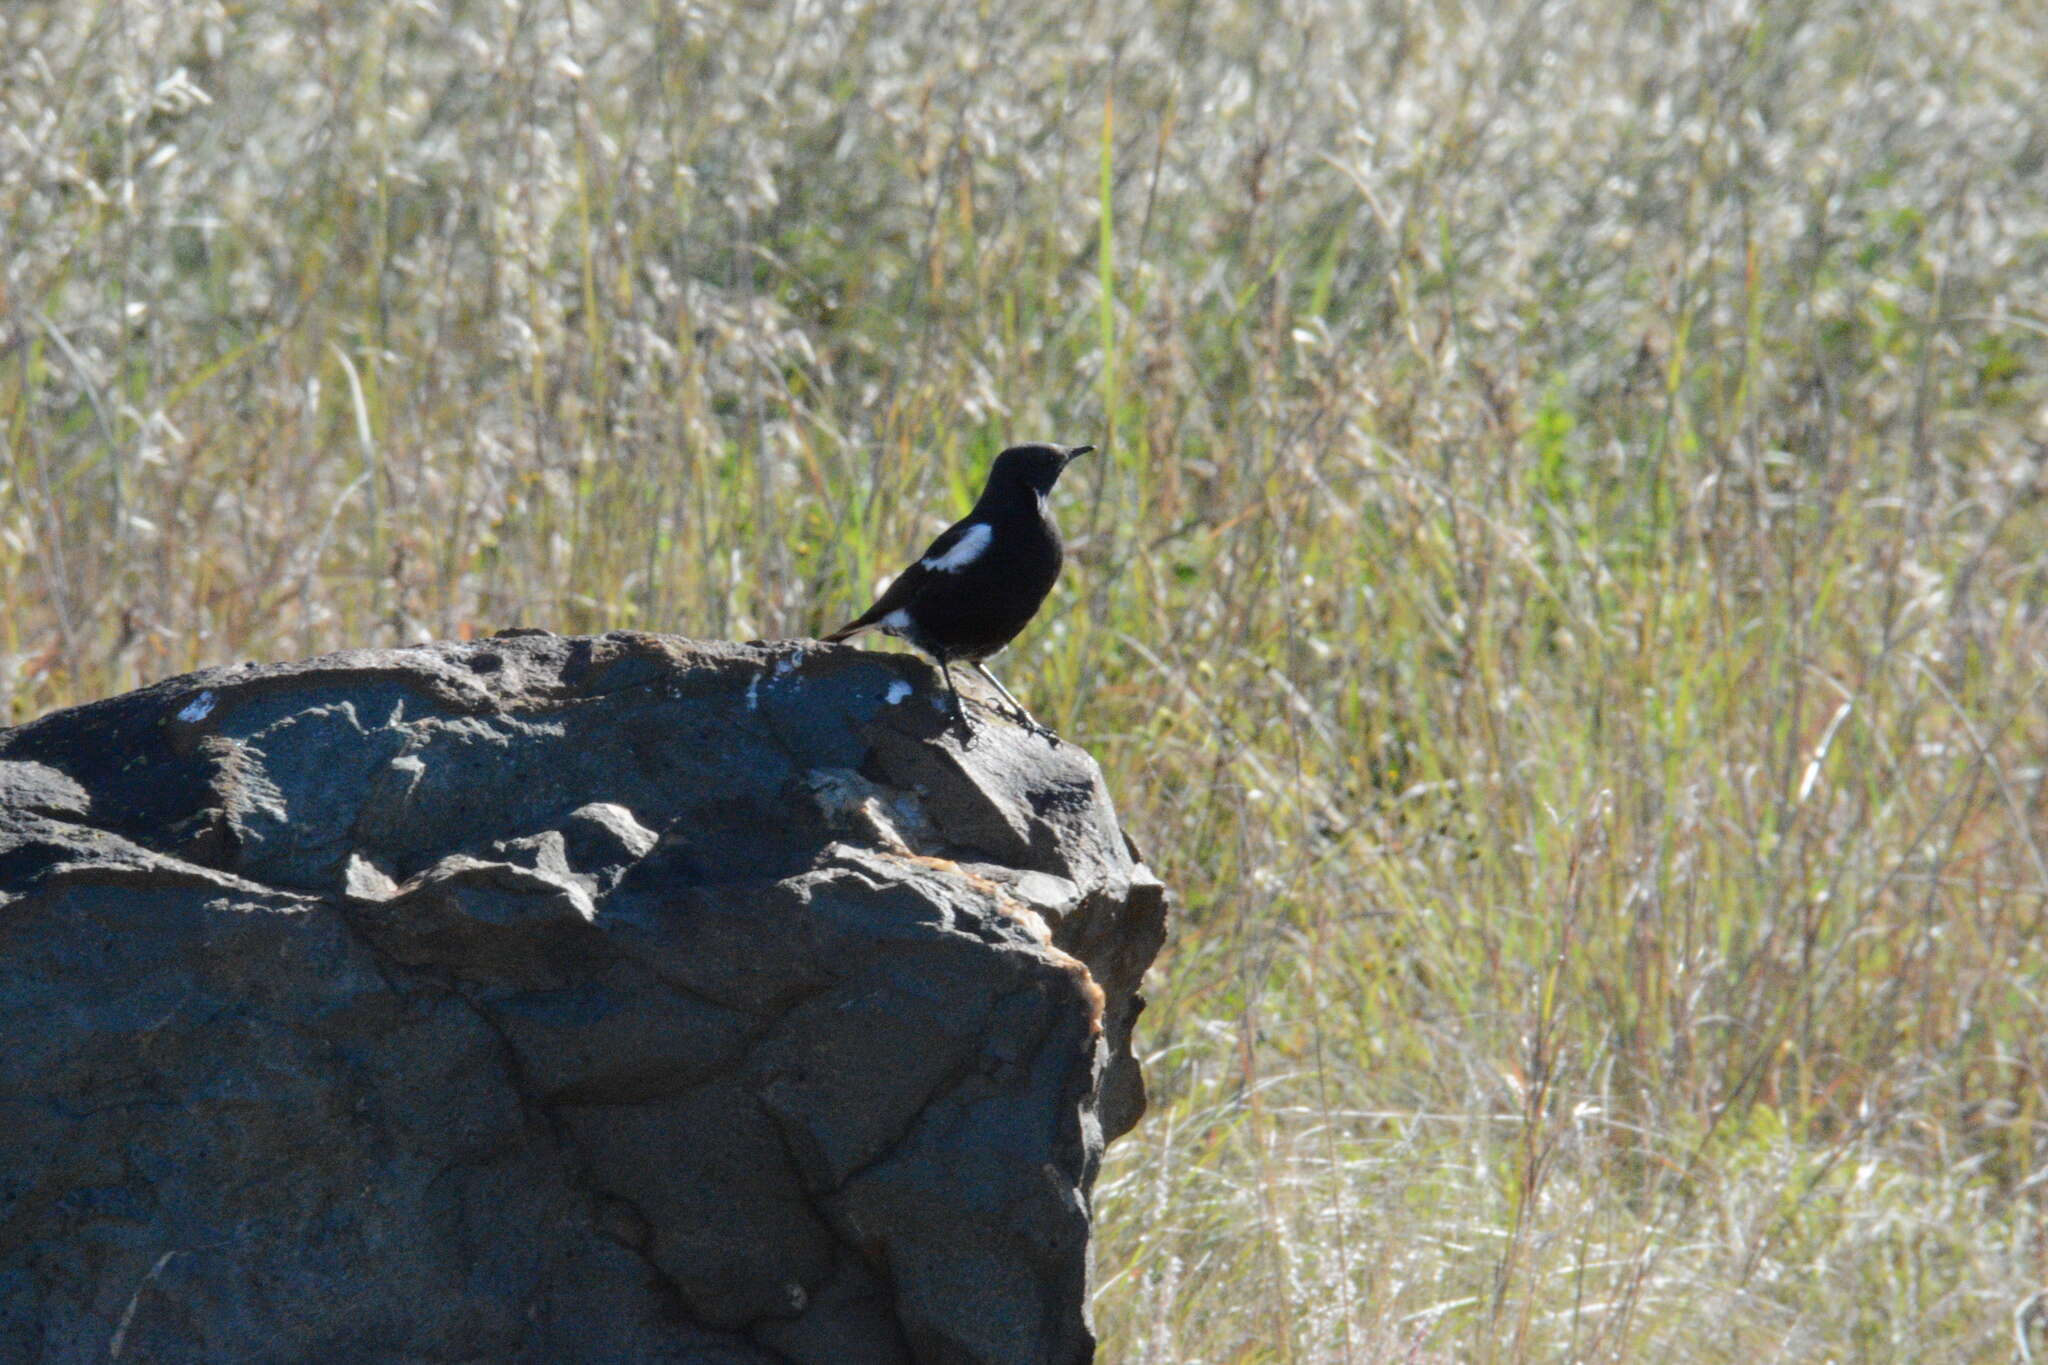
<point x="898" y="690"/>
<point x="898" y="619"/>
<point x="970" y="547"/>
<point x="198" y="708"/>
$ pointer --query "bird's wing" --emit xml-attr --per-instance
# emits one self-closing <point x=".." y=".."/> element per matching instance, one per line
<point x="956" y="547"/>
<point x="962" y="543"/>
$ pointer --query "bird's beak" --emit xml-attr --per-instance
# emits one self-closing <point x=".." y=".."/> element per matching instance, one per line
<point x="1078" y="451"/>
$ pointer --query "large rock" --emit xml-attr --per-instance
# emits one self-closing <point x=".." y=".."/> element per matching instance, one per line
<point x="554" y="999"/>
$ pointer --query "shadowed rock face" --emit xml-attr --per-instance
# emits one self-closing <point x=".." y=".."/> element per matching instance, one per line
<point x="557" y="999"/>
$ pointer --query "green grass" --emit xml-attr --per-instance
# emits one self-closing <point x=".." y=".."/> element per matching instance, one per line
<point x="1561" y="598"/>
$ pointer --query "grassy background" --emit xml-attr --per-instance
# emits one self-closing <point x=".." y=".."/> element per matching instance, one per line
<point x="1562" y="597"/>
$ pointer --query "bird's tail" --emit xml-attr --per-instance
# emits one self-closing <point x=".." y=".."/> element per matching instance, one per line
<point x="847" y="631"/>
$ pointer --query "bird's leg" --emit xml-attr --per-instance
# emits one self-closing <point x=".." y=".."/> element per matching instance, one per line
<point x="1030" y="721"/>
<point x="959" y="706"/>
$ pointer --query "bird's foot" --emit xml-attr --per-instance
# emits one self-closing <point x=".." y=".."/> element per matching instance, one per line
<point x="1035" y="726"/>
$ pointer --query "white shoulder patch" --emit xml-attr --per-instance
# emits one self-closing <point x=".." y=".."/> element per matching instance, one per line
<point x="973" y="543"/>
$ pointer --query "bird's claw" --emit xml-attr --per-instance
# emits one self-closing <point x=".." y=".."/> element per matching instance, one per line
<point x="1035" y="726"/>
<point x="1018" y="714"/>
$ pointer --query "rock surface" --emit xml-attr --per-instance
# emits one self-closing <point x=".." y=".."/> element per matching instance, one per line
<point x="553" y="999"/>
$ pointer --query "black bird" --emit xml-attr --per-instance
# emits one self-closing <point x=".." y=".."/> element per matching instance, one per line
<point x="981" y="581"/>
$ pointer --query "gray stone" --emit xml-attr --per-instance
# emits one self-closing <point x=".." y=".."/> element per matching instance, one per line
<point x="552" y="999"/>
<point x="43" y="790"/>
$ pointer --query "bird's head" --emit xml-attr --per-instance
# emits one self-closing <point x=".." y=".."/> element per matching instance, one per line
<point x="1036" y="467"/>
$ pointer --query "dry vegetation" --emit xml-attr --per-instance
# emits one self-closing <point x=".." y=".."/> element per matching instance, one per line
<point x="1563" y="597"/>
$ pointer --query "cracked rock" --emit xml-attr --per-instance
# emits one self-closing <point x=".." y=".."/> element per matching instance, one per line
<point x="552" y="999"/>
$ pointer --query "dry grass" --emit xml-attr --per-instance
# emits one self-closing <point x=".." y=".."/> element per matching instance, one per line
<point x="1563" y="598"/>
